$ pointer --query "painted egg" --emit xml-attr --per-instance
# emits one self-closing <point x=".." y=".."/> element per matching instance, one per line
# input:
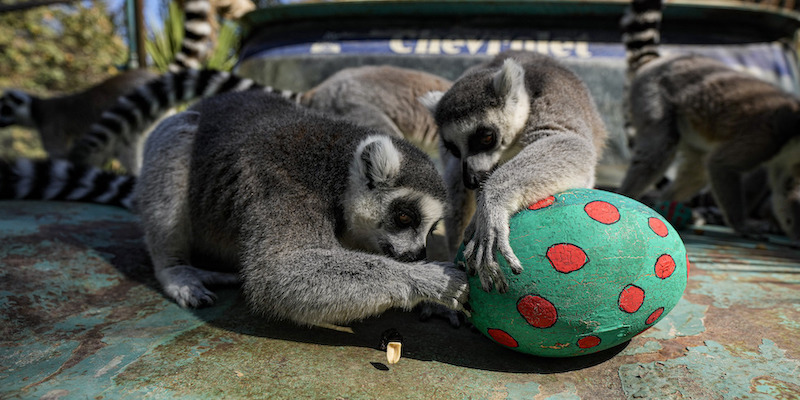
<point x="599" y="268"/>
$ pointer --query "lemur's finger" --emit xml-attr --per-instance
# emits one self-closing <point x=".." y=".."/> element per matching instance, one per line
<point x="511" y="258"/>
<point x="486" y="280"/>
<point x="499" y="280"/>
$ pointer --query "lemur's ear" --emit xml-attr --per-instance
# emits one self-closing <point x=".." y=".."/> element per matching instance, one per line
<point x="430" y="100"/>
<point x="509" y="79"/>
<point x="377" y="161"/>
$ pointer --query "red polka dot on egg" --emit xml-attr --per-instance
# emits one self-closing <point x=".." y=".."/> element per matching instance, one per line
<point x="688" y="265"/>
<point x="502" y="337"/>
<point x="602" y="212"/>
<point x="658" y="226"/>
<point x="631" y="298"/>
<point x="654" y="315"/>
<point x="546" y="202"/>
<point x="566" y="257"/>
<point x="588" y="342"/>
<point x="665" y="266"/>
<point x="538" y="311"/>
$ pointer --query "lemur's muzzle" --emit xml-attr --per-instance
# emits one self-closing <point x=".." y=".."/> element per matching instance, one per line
<point x="409" y="256"/>
<point x="472" y="179"/>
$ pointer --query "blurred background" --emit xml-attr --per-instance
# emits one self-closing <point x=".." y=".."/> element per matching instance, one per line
<point x="56" y="47"/>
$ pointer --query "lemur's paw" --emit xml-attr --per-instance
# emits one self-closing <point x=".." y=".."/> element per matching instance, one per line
<point x="455" y="292"/>
<point x="490" y="237"/>
<point x="192" y="296"/>
<point x="428" y="310"/>
<point x="186" y="284"/>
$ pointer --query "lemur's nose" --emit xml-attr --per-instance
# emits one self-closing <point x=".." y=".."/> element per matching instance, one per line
<point x="472" y="179"/>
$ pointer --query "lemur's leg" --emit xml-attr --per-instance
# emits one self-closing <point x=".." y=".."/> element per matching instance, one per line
<point x="162" y="204"/>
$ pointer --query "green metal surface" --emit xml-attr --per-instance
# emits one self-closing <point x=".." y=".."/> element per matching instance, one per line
<point x="81" y="316"/>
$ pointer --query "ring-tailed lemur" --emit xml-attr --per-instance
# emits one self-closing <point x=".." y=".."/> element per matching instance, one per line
<point x="54" y="179"/>
<point x="722" y="122"/>
<point x="196" y="31"/>
<point x="516" y="129"/>
<point x="323" y="221"/>
<point x="380" y="97"/>
<point x="252" y="180"/>
<point x="61" y="120"/>
<point x="119" y="132"/>
<point x="201" y="26"/>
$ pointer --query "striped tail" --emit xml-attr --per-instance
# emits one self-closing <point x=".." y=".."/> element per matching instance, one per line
<point x="133" y="113"/>
<point x="61" y="180"/>
<point x="197" y="31"/>
<point x="641" y="32"/>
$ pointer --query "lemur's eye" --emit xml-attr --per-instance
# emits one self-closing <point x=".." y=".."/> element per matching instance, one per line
<point x="487" y="139"/>
<point x="483" y="139"/>
<point x="402" y="219"/>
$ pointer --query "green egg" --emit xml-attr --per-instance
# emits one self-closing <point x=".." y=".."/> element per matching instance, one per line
<point x="599" y="268"/>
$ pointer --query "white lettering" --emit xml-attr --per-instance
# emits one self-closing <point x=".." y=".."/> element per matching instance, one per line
<point x="422" y="47"/>
<point x="473" y="45"/>
<point x="493" y="48"/>
<point x="582" y="49"/>
<point x="399" y="47"/>
<point x="452" y="46"/>
<point x="435" y="47"/>
<point x="561" y="49"/>
<point x="542" y="44"/>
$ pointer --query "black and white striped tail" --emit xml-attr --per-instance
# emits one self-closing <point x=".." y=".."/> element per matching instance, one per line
<point x="196" y="35"/>
<point x="26" y="179"/>
<point x="641" y="32"/>
<point x="133" y="113"/>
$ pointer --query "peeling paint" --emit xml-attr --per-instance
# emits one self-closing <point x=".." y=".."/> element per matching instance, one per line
<point x="686" y="319"/>
<point x="713" y="371"/>
<point x="522" y="391"/>
<point x="727" y="291"/>
<point x="647" y="347"/>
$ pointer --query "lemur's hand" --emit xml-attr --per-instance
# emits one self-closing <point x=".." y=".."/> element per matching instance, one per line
<point x="485" y="236"/>
<point x="442" y="283"/>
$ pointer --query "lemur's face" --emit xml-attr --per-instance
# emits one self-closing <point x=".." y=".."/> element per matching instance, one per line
<point x="393" y="200"/>
<point x="15" y="108"/>
<point x="481" y="118"/>
<point x="485" y="141"/>
<point x="394" y="222"/>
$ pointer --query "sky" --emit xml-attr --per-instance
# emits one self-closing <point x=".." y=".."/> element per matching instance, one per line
<point x="152" y="14"/>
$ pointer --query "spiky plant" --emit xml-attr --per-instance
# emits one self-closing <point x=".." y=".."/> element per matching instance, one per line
<point x="163" y="43"/>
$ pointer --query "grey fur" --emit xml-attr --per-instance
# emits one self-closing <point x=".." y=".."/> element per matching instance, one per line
<point x="298" y="204"/>
<point x="720" y="123"/>
<point x="381" y="97"/>
<point x="548" y="138"/>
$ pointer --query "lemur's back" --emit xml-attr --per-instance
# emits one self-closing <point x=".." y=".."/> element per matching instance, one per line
<point x="715" y="100"/>
<point x="559" y="96"/>
<point x="257" y="151"/>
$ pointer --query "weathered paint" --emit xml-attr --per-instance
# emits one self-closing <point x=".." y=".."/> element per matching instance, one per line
<point x="81" y="316"/>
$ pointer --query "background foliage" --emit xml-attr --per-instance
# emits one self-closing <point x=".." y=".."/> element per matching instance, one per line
<point x="61" y="49"/>
<point x="58" y="49"/>
<point x="165" y="39"/>
<point x="54" y="50"/>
